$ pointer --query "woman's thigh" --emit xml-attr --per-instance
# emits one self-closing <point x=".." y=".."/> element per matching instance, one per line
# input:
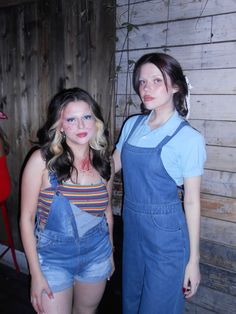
<point x="60" y="304"/>
<point x="87" y="296"/>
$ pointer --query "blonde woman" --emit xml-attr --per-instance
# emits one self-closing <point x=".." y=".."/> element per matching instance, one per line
<point x="66" y="188"/>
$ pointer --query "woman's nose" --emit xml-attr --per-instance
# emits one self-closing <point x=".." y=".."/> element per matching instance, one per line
<point x="80" y="123"/>
<point x="146" y="86"/>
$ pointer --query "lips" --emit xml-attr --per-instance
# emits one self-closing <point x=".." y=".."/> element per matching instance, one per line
<point x="82" y="134"/>
<point x="148" y="98"/>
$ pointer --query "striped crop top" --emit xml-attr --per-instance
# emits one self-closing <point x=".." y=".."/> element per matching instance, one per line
<point x="91" y="198"/>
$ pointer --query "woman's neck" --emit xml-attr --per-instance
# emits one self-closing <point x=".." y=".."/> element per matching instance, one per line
<point x="81" y="151"/>
<point x="160" y="117"/>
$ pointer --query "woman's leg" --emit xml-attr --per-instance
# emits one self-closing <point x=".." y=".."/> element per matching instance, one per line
<point x="87" y="297"/>
<point x="60" y="304"/>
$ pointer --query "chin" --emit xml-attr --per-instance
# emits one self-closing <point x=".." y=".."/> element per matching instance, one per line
<point x="83" y="142"/>
<point x="150" y="106"/>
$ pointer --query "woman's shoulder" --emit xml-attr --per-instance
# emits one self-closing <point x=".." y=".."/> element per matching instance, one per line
<point x="189" y="139"/>
<point x="192" y="133"/>
<point x="36" y="159"/>
<point x="130" y="121"/>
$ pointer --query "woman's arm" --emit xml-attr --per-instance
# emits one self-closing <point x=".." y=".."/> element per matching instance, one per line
<point x="192" y="211"/>
<point x="108" y="212"/>
<point x="30" y="188"/>
<point x="117" y="161"/>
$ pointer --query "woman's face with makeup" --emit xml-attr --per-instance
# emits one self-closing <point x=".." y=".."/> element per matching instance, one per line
<point x="78" y="123"/>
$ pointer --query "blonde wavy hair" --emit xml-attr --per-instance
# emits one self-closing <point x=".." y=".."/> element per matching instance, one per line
<point x="58" y="155"/>
<point x="99" y="141"/>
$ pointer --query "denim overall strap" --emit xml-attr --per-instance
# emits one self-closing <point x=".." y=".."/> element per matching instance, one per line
<point x="54" y="183"/>
<point x="169" y="137"/>
<point x="53" y="179"/>
<point x="61" y="217"/>
<point x="135" y="126"/>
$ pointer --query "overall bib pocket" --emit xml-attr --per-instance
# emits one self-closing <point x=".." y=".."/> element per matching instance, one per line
<point x="170" y="222"/>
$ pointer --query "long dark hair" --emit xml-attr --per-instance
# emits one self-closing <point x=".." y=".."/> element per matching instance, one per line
<point x="57" y="154"/>
<point x="170" y="66"/>
<point x="4" y="140"/>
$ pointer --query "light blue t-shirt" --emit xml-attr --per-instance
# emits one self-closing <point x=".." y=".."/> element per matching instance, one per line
<point x="183" y="156"/>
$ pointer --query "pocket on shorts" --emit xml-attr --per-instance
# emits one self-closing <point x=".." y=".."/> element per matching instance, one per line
<point x="43" y="240"/>
<point x="170" y="222"/>
<point x="50" y="238"/>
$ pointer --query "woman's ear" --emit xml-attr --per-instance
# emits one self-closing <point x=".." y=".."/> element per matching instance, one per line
<point x="175" y="89"/>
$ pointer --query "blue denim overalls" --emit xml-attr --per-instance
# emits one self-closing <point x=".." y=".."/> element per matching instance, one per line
<point x="156" y="243"/>
<point x="73" y="244"/>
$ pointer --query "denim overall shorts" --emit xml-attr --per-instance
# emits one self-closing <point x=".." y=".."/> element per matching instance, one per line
<point x="73" y="245"/>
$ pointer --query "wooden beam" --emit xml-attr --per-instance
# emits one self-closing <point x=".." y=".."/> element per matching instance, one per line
<point x="8" y="3"/>
<point x="209" y="300"/>
<point x="218" y="279"/>
<point x="218" y="231"/>
<point x="218" y="255"/>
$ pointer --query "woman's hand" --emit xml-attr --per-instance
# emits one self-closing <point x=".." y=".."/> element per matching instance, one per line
<point x="38" y="287"/>
<point x="113" y="267"/>
<point x="191" y="279"/>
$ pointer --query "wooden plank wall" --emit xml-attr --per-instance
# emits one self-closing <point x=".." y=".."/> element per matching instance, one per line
<point x="202" y="36"/>
<point x="46" y="46"/>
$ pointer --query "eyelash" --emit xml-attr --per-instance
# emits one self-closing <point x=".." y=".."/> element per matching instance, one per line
<point x="156" y="81"/>
<point x="87" y="117"/>
<point x="141" y="82"/>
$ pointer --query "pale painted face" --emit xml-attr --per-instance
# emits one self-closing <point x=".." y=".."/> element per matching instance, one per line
<point x="78" y="123"/>
<point x="152" y="88"/>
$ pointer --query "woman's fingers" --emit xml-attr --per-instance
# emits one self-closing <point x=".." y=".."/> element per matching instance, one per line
<point x="37" y="300"/>
<point x="36" y="305"/>
<point x="190" y="290"/>
<point x="49" y="293"/>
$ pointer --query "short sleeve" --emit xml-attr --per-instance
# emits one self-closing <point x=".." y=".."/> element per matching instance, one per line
<point x="193" y="155"/>
<point x="125" y="131"/>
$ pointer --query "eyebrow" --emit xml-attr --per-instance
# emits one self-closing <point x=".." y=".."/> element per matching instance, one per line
<point x="153" y="76"/>
<point x="75" y="114"/>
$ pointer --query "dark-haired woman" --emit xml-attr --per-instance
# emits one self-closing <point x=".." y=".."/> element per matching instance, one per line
<point x="159" y="151"/>
<point x="66" y="186"/>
